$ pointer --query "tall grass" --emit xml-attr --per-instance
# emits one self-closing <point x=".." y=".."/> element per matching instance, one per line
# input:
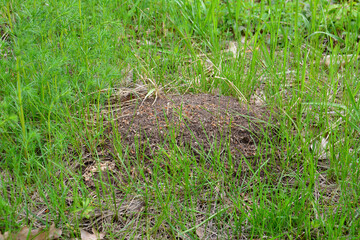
<point x="63" y="60"/>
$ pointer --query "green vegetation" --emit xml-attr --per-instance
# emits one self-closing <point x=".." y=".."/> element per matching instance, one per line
<point x="60" y="61"/>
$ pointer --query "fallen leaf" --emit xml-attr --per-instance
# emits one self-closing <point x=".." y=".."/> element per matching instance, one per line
<point x="320" y="148"/>
<point x="22" y="234"/>
<point x="340" y="60"/>
<point x="34" y="234"/>
<point x="88" y="236"/>
<point x="200" y="232"/>
<point x="51" y="233"/>
<point x="233" y="48"/>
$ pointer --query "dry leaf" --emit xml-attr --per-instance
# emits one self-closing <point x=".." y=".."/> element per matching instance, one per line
<point x="34" y="234"/>
<point x="320" y="148"/>
<point x="5" y="236"/>
<point x="22" y="234"/>
<point x="233" y="48"/>
<point x="88" y="236"/>
<point x="51" y="233"/>
<point x="89" y="171"/>
<point x="340" y="60"/>
<point x="259" y="98"/>
<point x="200" y="232"/>
<point x="243" y="40"/>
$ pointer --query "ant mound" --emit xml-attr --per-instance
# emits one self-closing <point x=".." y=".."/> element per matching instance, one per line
<point x="204" y="123"/>
<point x="207" y="126"/>
<point x="139" y="139"/>
<point x="144" y="131"/>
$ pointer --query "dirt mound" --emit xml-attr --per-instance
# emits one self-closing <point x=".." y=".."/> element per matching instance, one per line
<point x="140" y="135"/>
<point x="206" y="125"/>
<point x="203" y="123"/>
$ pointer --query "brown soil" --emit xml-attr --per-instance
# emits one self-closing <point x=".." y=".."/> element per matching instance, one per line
<point x="149" y="129"/>
<point x="200" y="122"/>
<point x="204" y="124"/>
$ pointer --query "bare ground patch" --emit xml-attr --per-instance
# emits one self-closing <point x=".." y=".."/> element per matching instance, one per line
<point x="144" y="135"/>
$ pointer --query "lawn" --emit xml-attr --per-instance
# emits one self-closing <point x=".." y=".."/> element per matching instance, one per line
<point x="179" y="119"/>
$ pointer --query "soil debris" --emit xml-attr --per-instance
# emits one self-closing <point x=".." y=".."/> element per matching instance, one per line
<point x="205" y="125"/>
<point x="203" y="122"/>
